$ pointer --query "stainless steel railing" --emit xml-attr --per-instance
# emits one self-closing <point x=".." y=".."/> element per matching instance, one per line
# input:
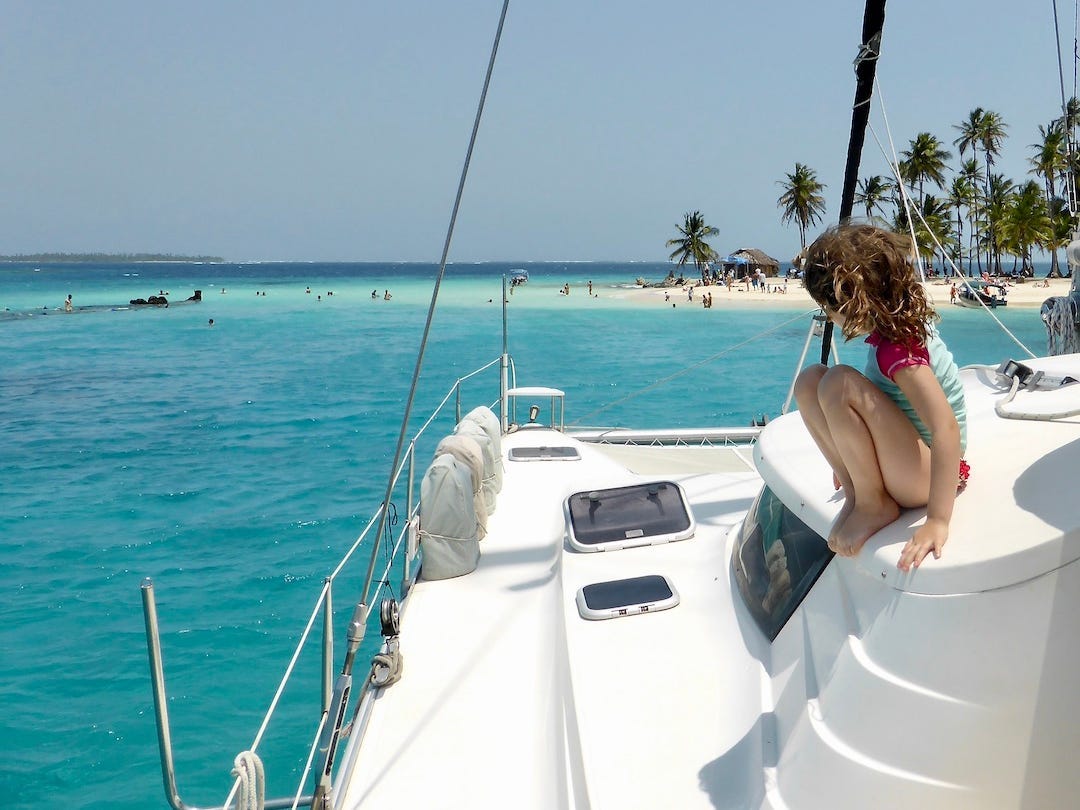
<point x="334" y="696"/>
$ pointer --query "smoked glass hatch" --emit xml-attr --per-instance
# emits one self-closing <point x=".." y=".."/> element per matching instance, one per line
<point x="558" y="453"/>
<point x="642" y="514"/>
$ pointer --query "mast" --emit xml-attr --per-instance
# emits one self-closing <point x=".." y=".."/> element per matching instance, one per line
<point x="865" y="70"/>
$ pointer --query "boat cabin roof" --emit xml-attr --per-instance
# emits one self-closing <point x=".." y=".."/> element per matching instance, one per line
<point x="1011" y="524"/>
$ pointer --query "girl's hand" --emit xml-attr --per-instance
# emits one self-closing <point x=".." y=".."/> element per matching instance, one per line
<point x="931" y="536"/>
<point x="835" y="481"/>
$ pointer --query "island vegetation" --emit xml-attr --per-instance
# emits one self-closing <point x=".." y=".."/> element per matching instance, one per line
<point x="967" y="211"/>
<point x="970" y="212"/>
<point x="102" y="258"/>
<point x="691" y="245"/>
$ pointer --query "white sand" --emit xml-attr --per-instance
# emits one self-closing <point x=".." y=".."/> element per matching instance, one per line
<point x="796" y="297"/>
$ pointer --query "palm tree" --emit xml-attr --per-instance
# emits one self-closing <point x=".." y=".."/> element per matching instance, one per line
<point x="962" y="194"/>
<point x="932" y="227"/>
<point x="691" y="244"/>
<point x="969" y="133"/>
<point x="1026" y="223"/>
<point x="969" y="139"/>
<point x="1050" y="160"/>
<point x="997" y="207"/>
<point x="802" y="200"/>
<point x="991" y="133"/>
<point x="925" y="160"/>
<point x="872" y="192"/>
<point x="1061" y="228"/>
<point x="971" y="173"/>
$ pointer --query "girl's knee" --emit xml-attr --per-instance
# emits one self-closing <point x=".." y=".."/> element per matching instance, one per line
<point x="840" y="383"/>
<point x="808" y="381"/>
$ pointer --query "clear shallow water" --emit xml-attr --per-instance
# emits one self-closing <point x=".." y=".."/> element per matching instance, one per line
<point x="235" y="464"/>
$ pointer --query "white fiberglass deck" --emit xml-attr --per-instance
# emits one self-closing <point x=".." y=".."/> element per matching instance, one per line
<point x="950" y="687"/>
<point x="496" y="661"/>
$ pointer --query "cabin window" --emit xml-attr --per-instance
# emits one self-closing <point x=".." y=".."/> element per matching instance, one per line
<point x="777" y="559"/>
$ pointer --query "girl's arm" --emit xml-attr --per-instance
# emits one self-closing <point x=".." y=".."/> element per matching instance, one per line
<point x="924" y="392"/>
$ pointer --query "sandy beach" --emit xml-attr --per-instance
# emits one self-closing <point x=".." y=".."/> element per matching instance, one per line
<point x="792" y="294"/>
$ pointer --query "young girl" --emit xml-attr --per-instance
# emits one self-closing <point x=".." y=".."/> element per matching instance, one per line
<point x="894" y="435"/>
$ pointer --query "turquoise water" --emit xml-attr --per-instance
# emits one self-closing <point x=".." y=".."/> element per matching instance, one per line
<point x="234" y="464"/>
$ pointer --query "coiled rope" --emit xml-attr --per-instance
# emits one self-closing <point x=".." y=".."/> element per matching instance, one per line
<point x="248" y="769"/>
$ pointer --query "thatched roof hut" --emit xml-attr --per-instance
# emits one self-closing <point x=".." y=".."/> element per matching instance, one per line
<point x="750" y="260"/>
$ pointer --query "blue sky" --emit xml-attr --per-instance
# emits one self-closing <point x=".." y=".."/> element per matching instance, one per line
<point x="336" y="131"/>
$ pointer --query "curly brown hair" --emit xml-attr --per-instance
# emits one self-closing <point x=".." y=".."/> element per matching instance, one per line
<point x="866" y="274"/>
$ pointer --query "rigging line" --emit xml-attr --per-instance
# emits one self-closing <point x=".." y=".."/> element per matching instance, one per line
<point x="1061" y="67"/>
<point x="435" y="295"/>
<point x="945" y="253"/>
<point x="688" y="369"/>
<point x="894" y="167"/>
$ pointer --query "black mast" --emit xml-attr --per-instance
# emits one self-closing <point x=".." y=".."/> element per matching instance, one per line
<point x="865" y="68"/>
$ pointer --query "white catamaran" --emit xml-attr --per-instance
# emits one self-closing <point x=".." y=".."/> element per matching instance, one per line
<point x="652" y="619"/>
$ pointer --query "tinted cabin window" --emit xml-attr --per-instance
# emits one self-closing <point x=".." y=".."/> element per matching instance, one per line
<point x="777" y="560"/>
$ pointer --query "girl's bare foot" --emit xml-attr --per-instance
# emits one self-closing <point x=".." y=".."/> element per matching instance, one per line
<point x="838" y="524"/>
<point x="863" y="521"/>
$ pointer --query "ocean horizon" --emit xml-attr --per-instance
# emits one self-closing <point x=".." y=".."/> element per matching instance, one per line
<point x="234" y="463"/>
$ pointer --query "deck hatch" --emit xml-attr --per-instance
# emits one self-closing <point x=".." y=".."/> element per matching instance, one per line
<point x="626" y="597"/>
<point x="559" y="453"/>
<point x="639" y="515"/>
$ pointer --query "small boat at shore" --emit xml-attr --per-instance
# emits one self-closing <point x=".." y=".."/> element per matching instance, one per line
<point x="980" y="294"/>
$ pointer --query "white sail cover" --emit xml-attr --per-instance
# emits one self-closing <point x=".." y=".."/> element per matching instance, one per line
<point x="466" y="450"/>
<point x="449" y="532"/>
<point x="487" y="419"/>
<point x="473" y="430"/>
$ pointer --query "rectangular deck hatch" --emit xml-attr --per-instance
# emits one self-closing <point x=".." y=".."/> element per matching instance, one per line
<point x="623" y="517"/>
<point x="626" y="597"/>
<point x="564" y="453"/>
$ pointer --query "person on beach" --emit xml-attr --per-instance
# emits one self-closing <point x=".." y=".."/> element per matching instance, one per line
<point x="68" y="306"/>
<point x="895" y="435"/>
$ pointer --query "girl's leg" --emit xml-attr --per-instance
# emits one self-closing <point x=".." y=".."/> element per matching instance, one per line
<point x="883" y="456"/>
<point x="807" y="396"/>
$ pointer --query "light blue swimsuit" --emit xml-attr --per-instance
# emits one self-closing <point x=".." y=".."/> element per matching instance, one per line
<point x="886" y="358"/>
